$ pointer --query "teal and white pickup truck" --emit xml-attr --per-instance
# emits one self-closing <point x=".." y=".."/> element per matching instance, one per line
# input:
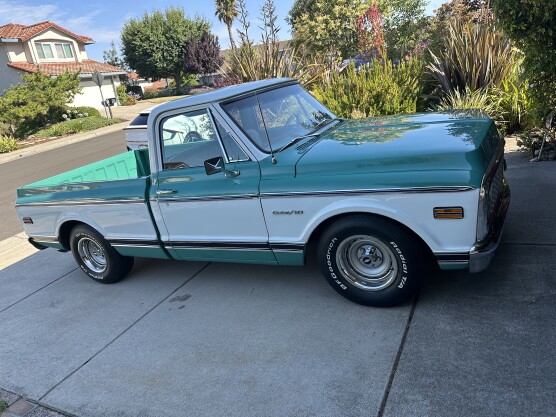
<point x="263" y="173"/>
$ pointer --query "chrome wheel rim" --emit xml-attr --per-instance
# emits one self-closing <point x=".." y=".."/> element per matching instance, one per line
<point x="367" y="262"/>
<point x="92" y="255"/>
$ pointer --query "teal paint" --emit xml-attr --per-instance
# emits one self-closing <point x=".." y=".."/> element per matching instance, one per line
<point x="420" y="150"/>
<point x="226" y="255"/>
<point x="290" y="258"/>
<point x="453" y="267"/>
<point x="140" y="252"/>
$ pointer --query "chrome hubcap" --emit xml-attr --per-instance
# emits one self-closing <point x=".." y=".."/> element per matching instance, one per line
<point x="367" y="262"/>
<point x="92" y="255"/>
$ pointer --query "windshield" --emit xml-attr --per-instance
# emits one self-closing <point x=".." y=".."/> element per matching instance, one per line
<point x="278" y="116"/>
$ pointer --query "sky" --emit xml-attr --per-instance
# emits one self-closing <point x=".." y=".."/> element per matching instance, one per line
<point x="102" y="20"/>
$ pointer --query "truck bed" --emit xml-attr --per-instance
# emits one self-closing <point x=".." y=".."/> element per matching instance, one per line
<point x="128" y="165"/>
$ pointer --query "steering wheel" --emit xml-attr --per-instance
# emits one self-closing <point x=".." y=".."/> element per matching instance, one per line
<point x="192" y="136"/>
<point x="293" y="116"/>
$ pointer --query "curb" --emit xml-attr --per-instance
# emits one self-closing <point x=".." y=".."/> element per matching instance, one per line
<point x="58" y="143"/>
<point x="19" y="406"/>
<point x="15" y="249"/>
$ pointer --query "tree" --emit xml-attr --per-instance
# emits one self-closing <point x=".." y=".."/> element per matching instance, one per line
<point x="153" y="45"/>
<point x="404" y="25"/>
<point x="110" y="56"/>
<point x="326" y="28"/>
<point x="533" y="28"/>
<point x="38" y="100"/>
<point x="226" y="11"/>
<point x="450" y="13"/>
<point x="329" y="27"/>
<point x="202" y="56"/>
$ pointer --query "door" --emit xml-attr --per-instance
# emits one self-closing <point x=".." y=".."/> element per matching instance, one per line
<point x="209" y="217"/>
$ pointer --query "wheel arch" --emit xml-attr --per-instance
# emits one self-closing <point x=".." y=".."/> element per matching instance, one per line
<point x="316" y="234"/>
<point x="65" y="229"/>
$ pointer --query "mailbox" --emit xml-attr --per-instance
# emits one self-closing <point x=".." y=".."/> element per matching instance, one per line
<point x="109" y="102"/>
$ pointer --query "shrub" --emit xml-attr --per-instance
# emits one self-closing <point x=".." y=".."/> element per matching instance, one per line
<point x="200" y="90"/>
<point x="129" y="100"/>
<point x="86" y="111"/>
<point x="374" y="90"/>
<point x="37" y="101"/>
<point x="475" y="56"/>
<point x="149" y="93"/>
<point x="75" y="126"/>
<point x="8" y="144"/>
<point x="122" y="94"/>
<point x="515" y="103"/>
<point x="269" y="58"/>
<point x="531" y="25"/>
<point x="483" y="99"/>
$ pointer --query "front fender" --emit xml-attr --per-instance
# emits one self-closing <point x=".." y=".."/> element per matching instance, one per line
<point x="413" y="210"/>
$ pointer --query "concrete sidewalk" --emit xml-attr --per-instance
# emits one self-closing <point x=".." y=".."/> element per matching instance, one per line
<point x="196" y="339"/>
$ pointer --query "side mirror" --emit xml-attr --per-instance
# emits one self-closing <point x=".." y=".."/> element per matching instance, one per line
<point x="214" y="165"/>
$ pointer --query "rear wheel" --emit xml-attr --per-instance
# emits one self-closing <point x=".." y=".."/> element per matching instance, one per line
<point x="371" y="261"/>
<point x="96" y="257"/>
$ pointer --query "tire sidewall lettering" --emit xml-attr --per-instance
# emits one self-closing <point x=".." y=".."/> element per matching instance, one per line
<point x="403" y="264"/>
<point x="337" y="278"/>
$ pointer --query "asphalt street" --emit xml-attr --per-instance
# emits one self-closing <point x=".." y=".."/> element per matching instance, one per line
<point x="197" y="339"/>
<point x="33" y="168"/>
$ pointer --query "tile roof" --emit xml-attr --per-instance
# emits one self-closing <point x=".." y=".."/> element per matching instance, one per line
<point x="23" y="33"/>
<point x="87" y="66"/>
<point x="157" y="85"/>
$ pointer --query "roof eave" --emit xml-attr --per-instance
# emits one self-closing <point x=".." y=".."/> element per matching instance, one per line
<point x="89" y="75"/>
<point x="10" y="40"/>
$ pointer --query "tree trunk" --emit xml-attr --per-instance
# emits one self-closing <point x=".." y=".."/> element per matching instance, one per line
<point x="177" y="80"/>
<point x="232" y="44"/>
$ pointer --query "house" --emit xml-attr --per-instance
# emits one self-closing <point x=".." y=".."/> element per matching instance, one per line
<point x="145" y="83"/>
<point x="53" y="50"/>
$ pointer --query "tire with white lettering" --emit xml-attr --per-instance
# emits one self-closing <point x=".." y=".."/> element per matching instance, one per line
<point x="96" y="258"/>
<point x="371" y="261"/>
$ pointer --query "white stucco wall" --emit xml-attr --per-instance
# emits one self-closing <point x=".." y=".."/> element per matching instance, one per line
<point x="8" y="76"/>
<point x="90" y="95"/>
<point x="15" y="52"/>
<point x="82" y="51"/>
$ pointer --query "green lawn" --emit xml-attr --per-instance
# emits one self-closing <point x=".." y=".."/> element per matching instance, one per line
<point x="83" y="124"/>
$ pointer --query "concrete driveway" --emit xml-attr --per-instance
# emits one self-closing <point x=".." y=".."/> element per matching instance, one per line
<point x="198" y="339"/>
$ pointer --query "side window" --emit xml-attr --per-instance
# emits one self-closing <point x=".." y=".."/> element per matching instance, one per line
<point x="233" y="151"/>
<point x="247" y="115"/>
<point x="188" y="139"/>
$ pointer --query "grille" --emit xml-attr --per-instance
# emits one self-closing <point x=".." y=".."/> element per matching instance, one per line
<point x="495" y="190"/>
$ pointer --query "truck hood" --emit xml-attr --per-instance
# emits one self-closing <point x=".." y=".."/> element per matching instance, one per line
<point x="403" y="151"/>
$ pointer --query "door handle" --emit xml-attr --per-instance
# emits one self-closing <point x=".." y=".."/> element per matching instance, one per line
<point x="165" y="192"/>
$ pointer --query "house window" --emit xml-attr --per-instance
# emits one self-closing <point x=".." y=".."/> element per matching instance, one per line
<point x="44" y="50"/>
<point x="54" y="50"/>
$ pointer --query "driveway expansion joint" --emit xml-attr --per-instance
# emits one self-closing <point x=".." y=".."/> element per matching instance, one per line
<point x="398" y="358"/>
<point x="39" y="289"/>
<point x="125" y="331"/>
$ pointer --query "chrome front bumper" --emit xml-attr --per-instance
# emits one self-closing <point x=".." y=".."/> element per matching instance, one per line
<point x="482" y="252"/>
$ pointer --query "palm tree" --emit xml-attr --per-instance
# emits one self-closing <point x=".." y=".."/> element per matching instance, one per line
<point x="226" y="11"/>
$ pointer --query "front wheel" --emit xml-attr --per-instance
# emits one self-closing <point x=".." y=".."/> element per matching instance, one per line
<point x="96" y="257"/>
<point x="371" y="261"/>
